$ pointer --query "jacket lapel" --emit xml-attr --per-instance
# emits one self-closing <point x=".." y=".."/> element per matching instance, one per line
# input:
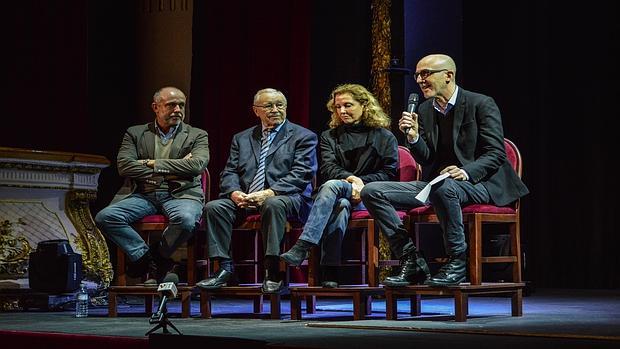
<point x="255" y="142"/>
<point x="148" y="140"/>
<point x="432" y="128"/>
<point x="283" y="134"/>
<point x="459" y="114"/>
<point x="177" y="141"/>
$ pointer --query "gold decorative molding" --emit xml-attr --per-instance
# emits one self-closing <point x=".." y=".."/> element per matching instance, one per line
<point x="9" y="303"/>
<point x="380" y="81"/>
<point x="381" y="52"/>
<point x="92" y="244"/>
<point x="14" y="249"/>
<point x="50" y="191"/>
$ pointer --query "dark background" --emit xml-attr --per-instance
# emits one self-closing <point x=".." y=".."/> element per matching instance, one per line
<point x="551" y="68"/>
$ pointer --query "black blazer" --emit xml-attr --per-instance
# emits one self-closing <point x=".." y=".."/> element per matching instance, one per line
<point x="478" y="138"/>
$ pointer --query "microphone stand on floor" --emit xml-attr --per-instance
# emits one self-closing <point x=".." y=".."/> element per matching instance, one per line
<point x="161" y="319"/>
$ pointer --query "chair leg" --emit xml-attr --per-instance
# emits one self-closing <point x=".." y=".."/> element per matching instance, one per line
<point x="365" y="260"/>
<point x="517" y="303"/>
<point x="373" y="254"/>
<point x="191" y="261"/>
<point x="515" y="247"/>
<point x="313" y="266"/>
<point x="121" y="277"/>
<point x="475" y="250"/>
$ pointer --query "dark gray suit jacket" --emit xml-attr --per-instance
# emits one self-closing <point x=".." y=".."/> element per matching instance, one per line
<point x="182" y="175"/>
<point x="290" y="165"/>
<point x="478" y="138"/>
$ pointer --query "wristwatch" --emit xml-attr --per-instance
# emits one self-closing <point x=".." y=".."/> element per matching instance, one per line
<point x="145" y="161"/>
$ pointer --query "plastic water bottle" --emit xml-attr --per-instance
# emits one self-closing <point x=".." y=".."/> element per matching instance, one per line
<point x="81" y="302"/>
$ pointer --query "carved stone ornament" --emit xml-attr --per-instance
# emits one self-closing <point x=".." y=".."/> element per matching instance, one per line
<point x="45" y="196"/>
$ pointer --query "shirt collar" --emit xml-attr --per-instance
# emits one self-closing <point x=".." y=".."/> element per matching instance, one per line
<point x="450" y="105"/>
<point x="275" y="129"/>
<point x="166" y="136"/>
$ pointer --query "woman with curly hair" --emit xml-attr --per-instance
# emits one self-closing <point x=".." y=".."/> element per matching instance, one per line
<point x="357" y="149"/>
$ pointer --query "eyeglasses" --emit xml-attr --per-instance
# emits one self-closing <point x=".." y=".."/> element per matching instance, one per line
<point x="269" y="106"/>
<point x="426" y="73"/>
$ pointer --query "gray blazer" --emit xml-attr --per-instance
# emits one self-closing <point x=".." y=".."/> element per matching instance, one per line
<point x="182" y="175"/>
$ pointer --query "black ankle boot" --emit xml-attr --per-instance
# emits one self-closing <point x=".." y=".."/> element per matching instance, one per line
<point x="451" y="273"/>
<point x="414" y="270"/>
<point x="298" y="253"/>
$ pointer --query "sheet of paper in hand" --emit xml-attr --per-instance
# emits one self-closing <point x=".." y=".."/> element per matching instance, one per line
<point x="423" y="195"/>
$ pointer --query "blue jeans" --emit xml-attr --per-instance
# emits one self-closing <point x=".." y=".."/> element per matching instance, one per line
<point x="330" y="217"/>
<point x="115" y="221"/>
<point x="382" y="199"/>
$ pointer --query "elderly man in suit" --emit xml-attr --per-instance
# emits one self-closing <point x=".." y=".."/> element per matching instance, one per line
<point x="269" y="170"/>
<point x="162" y="162"/>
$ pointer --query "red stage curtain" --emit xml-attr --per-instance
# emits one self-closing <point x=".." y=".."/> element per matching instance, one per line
<point x="240" y="47"/>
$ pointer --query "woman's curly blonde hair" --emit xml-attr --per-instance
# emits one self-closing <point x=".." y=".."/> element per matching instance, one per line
<point x="372" y="116"/>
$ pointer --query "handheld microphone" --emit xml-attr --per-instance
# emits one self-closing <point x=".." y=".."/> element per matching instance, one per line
<point x="167" y="289"/>
<point x="412" y="104"/>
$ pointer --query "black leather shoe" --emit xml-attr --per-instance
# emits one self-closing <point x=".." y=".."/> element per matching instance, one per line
<point x="452" y="273"/>
<point x="329" y="275"/>
<point x="269" y="286"/>
<point x="329" y="284"/>
<point x="219" y="280"/>
<point x="297" y="254"/>
<point x="414" y="270"/>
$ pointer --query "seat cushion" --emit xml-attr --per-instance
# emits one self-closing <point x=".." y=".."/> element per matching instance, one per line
<point x="477" y="208"/>
<point x="155" y="218"/>
<point x="256" y="218"/>
<point x="253" y="218"/>
<point x="364" y="214"/>
<point x="483" y="208"/>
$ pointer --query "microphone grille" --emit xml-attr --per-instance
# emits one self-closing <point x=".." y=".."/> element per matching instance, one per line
<point x="413" y="98"/>
<point x="171" y="277"/>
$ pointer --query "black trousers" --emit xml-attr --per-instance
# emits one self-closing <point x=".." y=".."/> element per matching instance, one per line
<point x="222" y="215"/>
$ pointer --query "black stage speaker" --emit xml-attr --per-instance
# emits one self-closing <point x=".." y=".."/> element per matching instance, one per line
<point x="54" y="267"/>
